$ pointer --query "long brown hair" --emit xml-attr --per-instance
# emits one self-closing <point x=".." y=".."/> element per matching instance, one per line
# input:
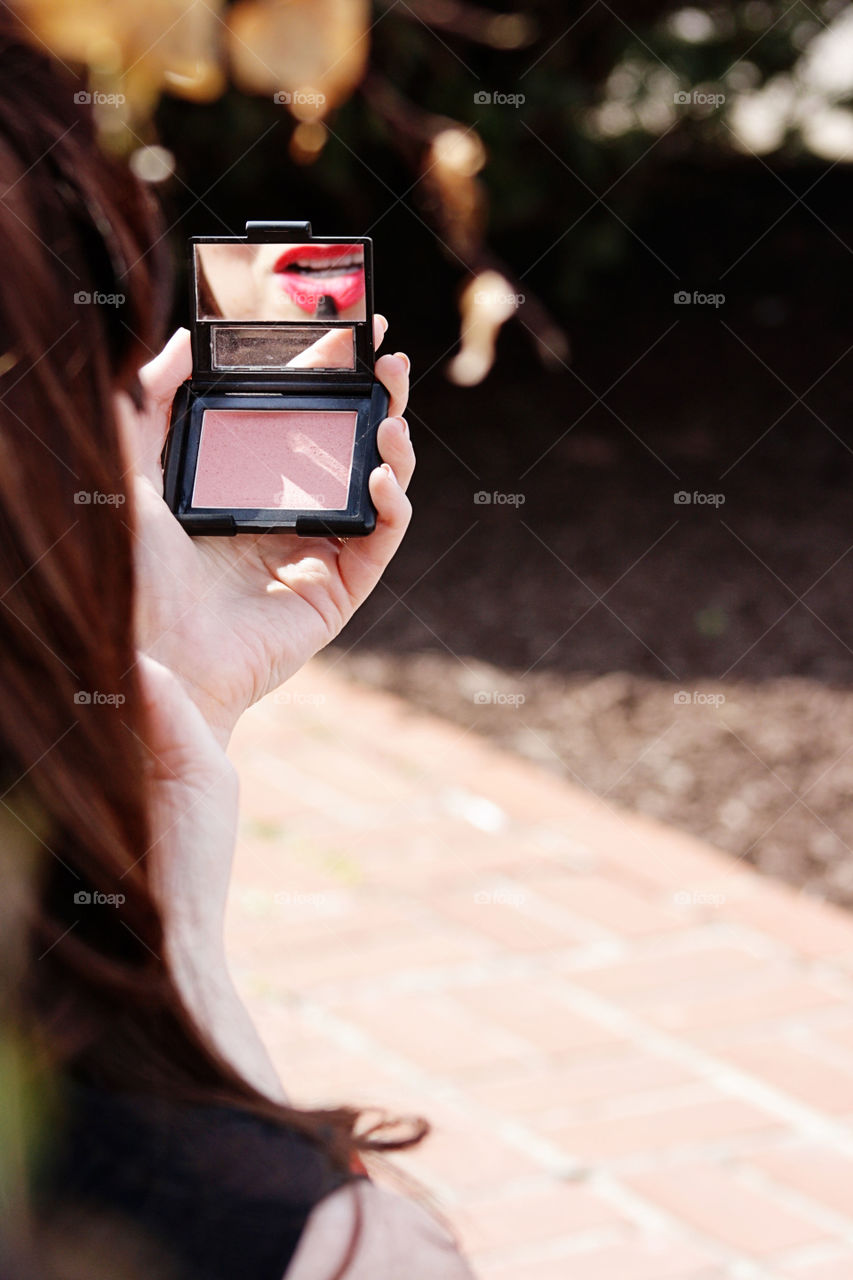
<point x="94" y="995"/>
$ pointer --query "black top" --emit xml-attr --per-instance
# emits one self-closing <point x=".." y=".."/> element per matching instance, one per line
<point x="210" y="1192"/>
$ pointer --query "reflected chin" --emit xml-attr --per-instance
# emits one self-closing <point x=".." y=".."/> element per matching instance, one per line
<point x="277" y="305"/>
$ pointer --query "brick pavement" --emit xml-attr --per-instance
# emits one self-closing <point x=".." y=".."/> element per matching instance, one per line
<point x="636" y="1054"/>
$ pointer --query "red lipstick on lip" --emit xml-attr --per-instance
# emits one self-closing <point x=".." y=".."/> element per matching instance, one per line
<point x="345" y="288"/>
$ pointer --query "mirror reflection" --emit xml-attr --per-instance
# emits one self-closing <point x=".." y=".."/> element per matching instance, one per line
<point x="251" y="349"/>
<point x="289" y="282"/>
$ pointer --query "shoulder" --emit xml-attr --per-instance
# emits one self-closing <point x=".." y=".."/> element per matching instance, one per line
<point x="222" y="1191"/>
<point x="395" y="1236"/>
<point x="219" y="1152"/>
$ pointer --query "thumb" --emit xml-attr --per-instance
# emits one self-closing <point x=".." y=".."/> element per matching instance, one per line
<point x="160" y="379"/>
<point x="162" y="376"/>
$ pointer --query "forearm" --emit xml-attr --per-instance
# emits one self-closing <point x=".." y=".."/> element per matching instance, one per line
<point x="209" y="993"/>
<point x="194" y="807"/>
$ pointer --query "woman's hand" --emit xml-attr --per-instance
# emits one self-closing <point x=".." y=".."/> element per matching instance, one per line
<point x="193" y="807"/>
<point x="236" y="617"/>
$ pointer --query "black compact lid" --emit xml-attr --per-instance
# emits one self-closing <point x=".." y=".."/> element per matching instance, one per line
<point x="206" y="377"/>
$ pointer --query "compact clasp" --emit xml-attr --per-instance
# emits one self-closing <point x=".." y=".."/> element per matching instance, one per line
<point x="269" y="232"/>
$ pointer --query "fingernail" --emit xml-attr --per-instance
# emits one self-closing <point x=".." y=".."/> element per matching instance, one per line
<point x="390" y="470"/>
<point x="405" y="426"/>
<point x="401" y="355"/>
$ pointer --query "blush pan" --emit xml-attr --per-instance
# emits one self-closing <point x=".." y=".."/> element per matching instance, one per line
<point x="276" y="428"/>
<point x="268" y="459"/>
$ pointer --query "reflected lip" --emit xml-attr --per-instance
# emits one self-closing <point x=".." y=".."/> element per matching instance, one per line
<point x="307" y="273"/>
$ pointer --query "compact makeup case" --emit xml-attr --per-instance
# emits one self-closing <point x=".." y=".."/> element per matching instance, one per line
<point x="275" y="430"/>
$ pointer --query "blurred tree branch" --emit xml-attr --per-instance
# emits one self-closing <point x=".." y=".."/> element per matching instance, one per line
<point x="590" y="95"/>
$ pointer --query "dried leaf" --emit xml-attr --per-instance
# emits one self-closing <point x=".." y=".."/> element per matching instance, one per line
<point x="134" y="51"/>
<point x="487" y="301"/>
<point x="311" y="53"/>
<point x="453" y="160"/>
<point x="308" y="140"/>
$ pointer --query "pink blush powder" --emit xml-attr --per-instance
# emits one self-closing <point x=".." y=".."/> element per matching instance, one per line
<point x="297" y="459"/>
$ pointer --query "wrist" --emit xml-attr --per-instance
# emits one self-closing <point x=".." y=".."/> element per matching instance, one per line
<point x="208" y="990"/>
<point x="196" y="957"/>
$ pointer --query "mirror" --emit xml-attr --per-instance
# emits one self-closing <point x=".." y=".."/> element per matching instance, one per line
<point x="251" y="348"/>
<point x="291" y="283"/>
